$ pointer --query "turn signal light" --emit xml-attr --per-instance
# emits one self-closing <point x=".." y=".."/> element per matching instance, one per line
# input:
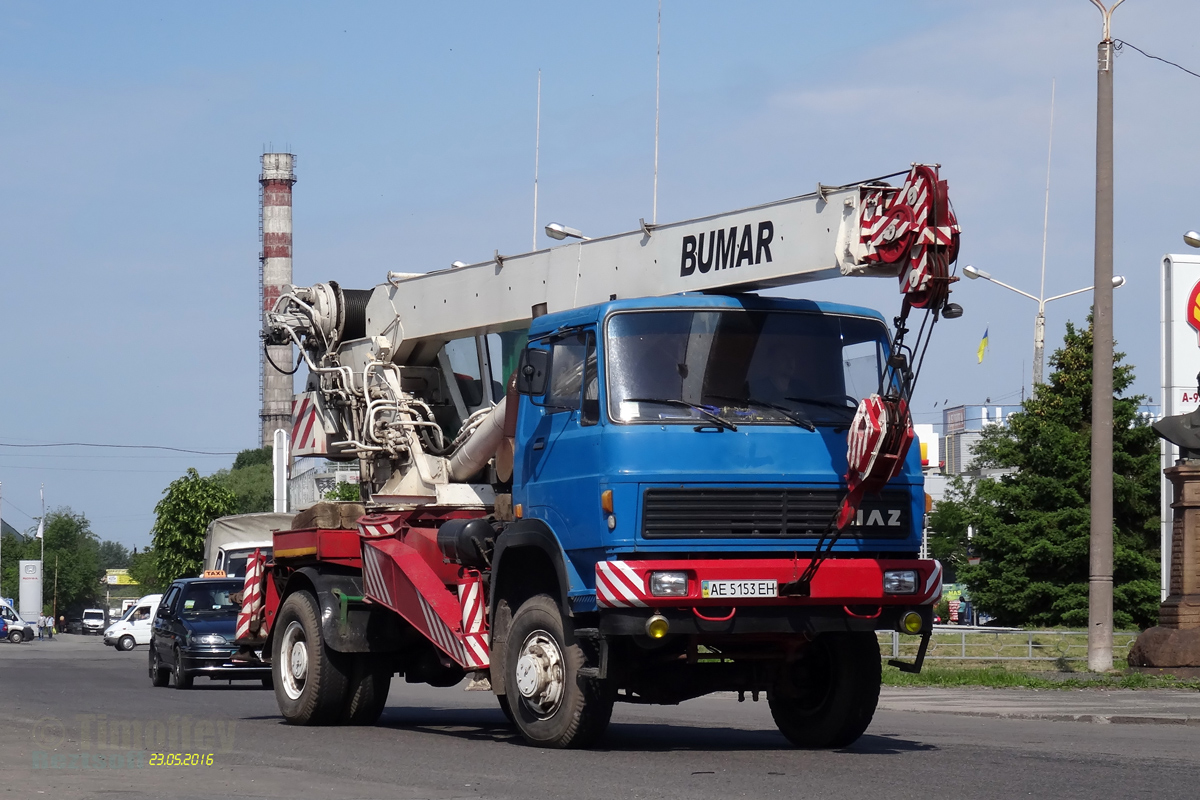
<point x="657" y="626"/>
<point x="518" y="511"/>
<point x="606" y="501"/>
<point x="912" y="622"/>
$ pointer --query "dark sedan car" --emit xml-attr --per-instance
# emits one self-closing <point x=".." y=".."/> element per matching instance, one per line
<point x="193" y="633"/>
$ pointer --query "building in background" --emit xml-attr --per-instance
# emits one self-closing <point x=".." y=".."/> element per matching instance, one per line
<point x="312" y="477"/>
<point x="962" y="427"/>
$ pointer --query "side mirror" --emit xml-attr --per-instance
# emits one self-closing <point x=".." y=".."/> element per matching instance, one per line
<point x="531" y="371"/>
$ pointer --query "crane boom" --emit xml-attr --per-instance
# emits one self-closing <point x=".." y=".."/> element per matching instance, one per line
<point x="382" y="386"/>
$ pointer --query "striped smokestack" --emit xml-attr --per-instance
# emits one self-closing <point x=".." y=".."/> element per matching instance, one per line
<point x="276" y="180"/>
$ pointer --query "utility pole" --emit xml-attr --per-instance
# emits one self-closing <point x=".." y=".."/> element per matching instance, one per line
<point x="1100" y="578"/>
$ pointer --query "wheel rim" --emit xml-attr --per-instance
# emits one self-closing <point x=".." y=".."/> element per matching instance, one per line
<point x="540" y="674"/>
<point x="293" y="653"/>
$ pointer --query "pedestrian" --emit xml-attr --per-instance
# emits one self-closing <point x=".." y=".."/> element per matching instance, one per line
<point x="62" y="623"/>
<point x="41" y="625"/>
<point x="49" y="626"/>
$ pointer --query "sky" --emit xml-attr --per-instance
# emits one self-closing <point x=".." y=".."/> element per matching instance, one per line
<point x="130" y="137"/>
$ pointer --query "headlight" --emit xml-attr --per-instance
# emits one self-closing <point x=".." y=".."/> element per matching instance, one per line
<point x="900" y="581"/>
<point x="668" y="584"/>
<point x="209" y="638"/>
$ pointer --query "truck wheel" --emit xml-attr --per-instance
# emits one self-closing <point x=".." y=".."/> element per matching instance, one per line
<point x="159" y="675"/>
<point x="550" y="705"/>
<point x="370" y="681"/>
<point x="827" y="698"/>
<point x="126" y="643"/>
<point x="182" y="679"/>
<point x="502" y="701"/>
<point x="16" y="637"/>
<point x="310" y="679"/>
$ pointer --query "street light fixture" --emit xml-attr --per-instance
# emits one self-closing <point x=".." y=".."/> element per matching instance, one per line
<point x="1039" y="324"/>
<point x="560" y="232"/>
<point x="1192" y="239"/>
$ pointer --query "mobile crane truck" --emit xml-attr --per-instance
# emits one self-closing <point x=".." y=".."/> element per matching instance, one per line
<point x="609" y="471"/>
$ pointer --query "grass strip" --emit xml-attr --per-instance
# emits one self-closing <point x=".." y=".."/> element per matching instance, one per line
<point x="1000" y="678"/>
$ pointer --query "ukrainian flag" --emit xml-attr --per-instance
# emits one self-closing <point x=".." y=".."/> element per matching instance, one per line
<point x="982" y="345"/>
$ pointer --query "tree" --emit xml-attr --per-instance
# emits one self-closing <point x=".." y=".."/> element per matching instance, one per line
<point x="251" y="479"/>
<point x="72" y="561"/>
<point x="143" y="568"/>
<point x="344" y="491"/>
<point x="1032" y="525"/>
<point x="113" y="555"/>
<point x="189" y="504"/>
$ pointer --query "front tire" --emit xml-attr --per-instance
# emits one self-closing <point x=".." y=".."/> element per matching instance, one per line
<point x="550" y="705"/>
<point x="126" y="643"/>
<point x="182" y="679"/>
<point x="311" y="683"/>
<point x="159" y="675"/>
<point x="16" y="637"/>
<point x="827" y="698"/>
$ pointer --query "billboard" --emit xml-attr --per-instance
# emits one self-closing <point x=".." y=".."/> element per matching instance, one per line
<point x="118" y="577"/>
<point x="31" y="589"/>
<point x="1179" y="368"/>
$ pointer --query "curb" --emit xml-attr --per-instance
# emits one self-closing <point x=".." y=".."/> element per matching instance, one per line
<point x="1101" y="719"/>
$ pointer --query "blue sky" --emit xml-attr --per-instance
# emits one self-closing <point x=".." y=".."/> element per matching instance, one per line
<point x="130" y="136"/>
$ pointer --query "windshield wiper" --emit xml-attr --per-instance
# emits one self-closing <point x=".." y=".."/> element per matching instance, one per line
<point x="822" y="403"/>
<point x="717" y="418"/>
<point x="799" y="419"/>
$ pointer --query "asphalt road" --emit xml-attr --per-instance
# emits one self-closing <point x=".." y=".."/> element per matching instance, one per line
<point x="63" y="700"/>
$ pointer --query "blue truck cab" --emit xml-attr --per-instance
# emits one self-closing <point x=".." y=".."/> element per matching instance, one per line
<point x="703" y="423"/>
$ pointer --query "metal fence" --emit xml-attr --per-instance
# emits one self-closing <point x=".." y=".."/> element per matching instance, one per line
<point x="955" y="643"/>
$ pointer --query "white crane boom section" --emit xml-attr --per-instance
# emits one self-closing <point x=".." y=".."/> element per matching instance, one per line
<point x="807" y="238"/>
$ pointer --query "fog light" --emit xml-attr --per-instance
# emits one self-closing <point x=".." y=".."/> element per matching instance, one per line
<point x="668" y="584"/>
<point x="900" y="581"/>
<point x="912" y="622"/>
<point x="657" y="626"/>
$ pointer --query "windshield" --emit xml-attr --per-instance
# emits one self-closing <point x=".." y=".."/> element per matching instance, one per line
<point x="210" y="598"/>
<point x="235" y="560"/>
<point x="767" y="367"/>
<point x="93" y="615"/>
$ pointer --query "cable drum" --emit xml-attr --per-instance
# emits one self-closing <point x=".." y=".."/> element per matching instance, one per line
<point x="355" y="304"/>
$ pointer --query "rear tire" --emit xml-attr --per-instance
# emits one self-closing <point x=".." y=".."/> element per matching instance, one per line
<point x="370" y="681"/>
<point x="159" y="675"/>
<point x="182" y="679"/>
<point x="310" y="680"/>
<point x="551" y="706"/>
<point x="126" y="643"/>
<point x="827" y="698"/>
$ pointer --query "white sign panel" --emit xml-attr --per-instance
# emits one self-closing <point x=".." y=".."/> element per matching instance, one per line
<point x="31" y="589"/>
<point x="1180" y="319"/>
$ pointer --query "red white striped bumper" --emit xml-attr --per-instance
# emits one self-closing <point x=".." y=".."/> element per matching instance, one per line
<point x="841" y="581"/>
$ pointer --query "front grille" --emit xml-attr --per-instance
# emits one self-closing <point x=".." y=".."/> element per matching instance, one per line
<point x="767" y="513"/>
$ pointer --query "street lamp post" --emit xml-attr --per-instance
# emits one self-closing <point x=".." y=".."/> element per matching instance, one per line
<point x="1039" y="323"/>
<point x="1100" y="551"/>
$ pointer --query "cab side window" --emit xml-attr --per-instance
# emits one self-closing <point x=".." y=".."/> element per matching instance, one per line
<point x="168" y="602"/>
<point x="589" y="413"/>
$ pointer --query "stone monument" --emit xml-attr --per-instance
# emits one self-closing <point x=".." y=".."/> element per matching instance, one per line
<point x="1175" y="641"/>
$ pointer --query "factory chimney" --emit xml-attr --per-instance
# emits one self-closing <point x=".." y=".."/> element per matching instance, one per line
<point x="275" y="272"/>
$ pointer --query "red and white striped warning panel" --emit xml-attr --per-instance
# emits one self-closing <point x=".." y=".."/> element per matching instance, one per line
<point x="250" y="617"/>
<point x="377" y="525"/>
<point x="396" y="576"/>
<point x="618" y="586"/>
<point x="308" y="434"/>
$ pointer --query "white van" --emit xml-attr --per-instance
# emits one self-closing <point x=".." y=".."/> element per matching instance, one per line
<point x="230" y="541"/>
<point x="133" y="628"/>
<point x="19" y="630"/>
